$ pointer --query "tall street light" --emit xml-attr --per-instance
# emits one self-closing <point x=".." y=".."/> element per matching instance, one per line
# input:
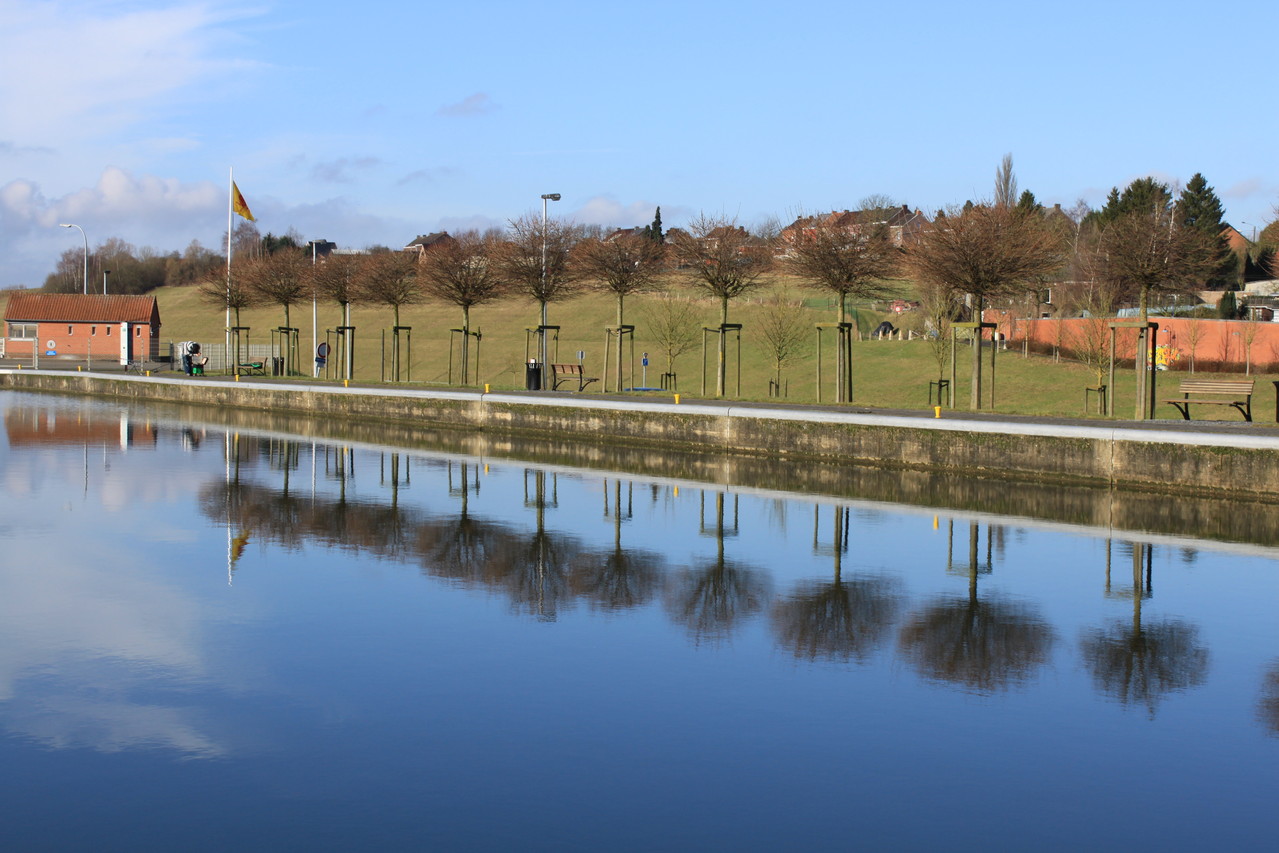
<point x="541" y="333"/>
<point x="86" y="254"/>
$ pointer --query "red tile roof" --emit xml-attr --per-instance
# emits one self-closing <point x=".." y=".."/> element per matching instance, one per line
<point x="78" y="308"/>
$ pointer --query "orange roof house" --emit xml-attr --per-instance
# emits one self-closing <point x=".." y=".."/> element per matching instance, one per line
<point x="81" y="326"/>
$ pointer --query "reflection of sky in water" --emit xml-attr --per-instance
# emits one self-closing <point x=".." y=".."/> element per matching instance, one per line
<point x="572" y="659"/>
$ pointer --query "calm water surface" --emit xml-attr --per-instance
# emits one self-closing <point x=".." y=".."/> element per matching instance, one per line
<point x="215" y="639"/>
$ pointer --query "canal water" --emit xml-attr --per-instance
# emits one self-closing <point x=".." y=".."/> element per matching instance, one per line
<point x="224" y="632"/>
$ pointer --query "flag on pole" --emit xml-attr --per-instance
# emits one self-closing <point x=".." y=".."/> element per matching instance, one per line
<point x="239" y="205"/>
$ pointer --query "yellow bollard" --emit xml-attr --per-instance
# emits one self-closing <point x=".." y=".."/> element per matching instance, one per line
<point x="78" y="368"/>
<point x="237" y="377"/>
<point x="486" y="387"/>
<point x="937" y="411"/>
<point x="677" y="399"/>
<point x="346" y="383"/>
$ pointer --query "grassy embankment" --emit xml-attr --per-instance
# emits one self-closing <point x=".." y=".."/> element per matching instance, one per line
<point x="889" y="374"/>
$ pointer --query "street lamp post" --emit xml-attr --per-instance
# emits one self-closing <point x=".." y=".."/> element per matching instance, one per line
<point x="86" y="253"/>
<point x="541" y="332"/>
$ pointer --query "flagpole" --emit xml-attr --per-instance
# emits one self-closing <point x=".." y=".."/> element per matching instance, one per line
<point x="230" y="192"/>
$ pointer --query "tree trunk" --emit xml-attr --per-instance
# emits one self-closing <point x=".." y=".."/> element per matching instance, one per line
<point x="466" y="345"/>
<point x="721" y="379"/>
<point x="975" y="399"/>
<point x="617" y="386"/>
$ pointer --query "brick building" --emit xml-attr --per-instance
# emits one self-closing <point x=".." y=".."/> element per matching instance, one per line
<point x="126" y="328"/>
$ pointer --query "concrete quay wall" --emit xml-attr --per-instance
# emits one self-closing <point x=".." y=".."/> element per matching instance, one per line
<point x="1225" y="462"/>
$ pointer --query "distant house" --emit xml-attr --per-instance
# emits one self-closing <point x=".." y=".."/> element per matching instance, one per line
<point x="903" y="223"/>
<point x="423" y="243"/>
<point x="77" y="325"/>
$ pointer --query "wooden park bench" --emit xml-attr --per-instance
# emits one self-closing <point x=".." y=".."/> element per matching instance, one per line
<point x="249" y="368"/>
<point x="1214" y="392"/>
<point x="570" y="373"/>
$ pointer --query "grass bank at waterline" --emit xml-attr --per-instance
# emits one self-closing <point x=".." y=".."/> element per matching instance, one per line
<point x="1191" y="459"/>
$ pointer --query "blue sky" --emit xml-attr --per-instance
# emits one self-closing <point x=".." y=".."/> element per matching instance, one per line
<point x="373" y="123"/>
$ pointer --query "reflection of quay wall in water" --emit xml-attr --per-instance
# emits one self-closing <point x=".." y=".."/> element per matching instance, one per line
<point x="1168" y="463"/>
<point x="1212" y="517"/>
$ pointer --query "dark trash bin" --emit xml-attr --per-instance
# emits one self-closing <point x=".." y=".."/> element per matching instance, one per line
<point x="277" y="366"/>
<point x="532" y="376"/>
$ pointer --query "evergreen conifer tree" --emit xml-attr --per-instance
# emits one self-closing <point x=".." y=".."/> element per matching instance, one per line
<point x="654" y="231"/>
<point x="1228" y="308"/>
<point x="1199" y="207"/>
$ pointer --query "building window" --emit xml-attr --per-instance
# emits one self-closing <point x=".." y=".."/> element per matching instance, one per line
<point x="137" y="331"/>
<point x="93" y="330"/>
<point x="70" y="330"/>
<point x="108" y="331"/>
<point x="22" y="331"/>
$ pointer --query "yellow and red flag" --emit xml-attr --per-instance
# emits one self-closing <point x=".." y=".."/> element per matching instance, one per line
<point x="239" y="205"/>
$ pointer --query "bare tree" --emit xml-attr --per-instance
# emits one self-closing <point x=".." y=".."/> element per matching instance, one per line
<point x="1005" y="183"/>
<point x="725" y="260"/>
<point x="1251" y="328"/>
<point x="338" y="278"/>
<point x="1194" y="334"/>
<point x="464" y="273"/>
<point x="1090" y="342"/>
<point x="985" y="251"/>
<point x="938" y="307"/>
<point x="390" y="278"/>
<point x="1145" y="249"/>
<point x="783" y="333"/>
<point x="282" y="278"/>
<point x="672" y="322"/>
<point x="231" y="294"/>
<point x="627" y="264"/>
<point x="536" y="261"/>
<point x="846" y="257"/>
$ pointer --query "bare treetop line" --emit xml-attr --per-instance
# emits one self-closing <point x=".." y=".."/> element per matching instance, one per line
<point x="1142" y="241"/>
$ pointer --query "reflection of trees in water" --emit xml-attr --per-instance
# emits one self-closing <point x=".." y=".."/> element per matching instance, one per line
<point x="710" y="599"/>
<point x="841" y="619"/>
<point x="1268" y="705"/>
<point x="537" y="579"/>
<point x="541" y="573"/>
<point x="980" y="644"/>
<point x="1136" y="663"/>
<point x="622" y="578"/>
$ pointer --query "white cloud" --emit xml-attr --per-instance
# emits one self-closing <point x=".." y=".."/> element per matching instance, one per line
<point x="72" y="70"/>
<point x="606" y="210"/>
<point x="472" y="105"/>
<point x="340" y="171"/>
